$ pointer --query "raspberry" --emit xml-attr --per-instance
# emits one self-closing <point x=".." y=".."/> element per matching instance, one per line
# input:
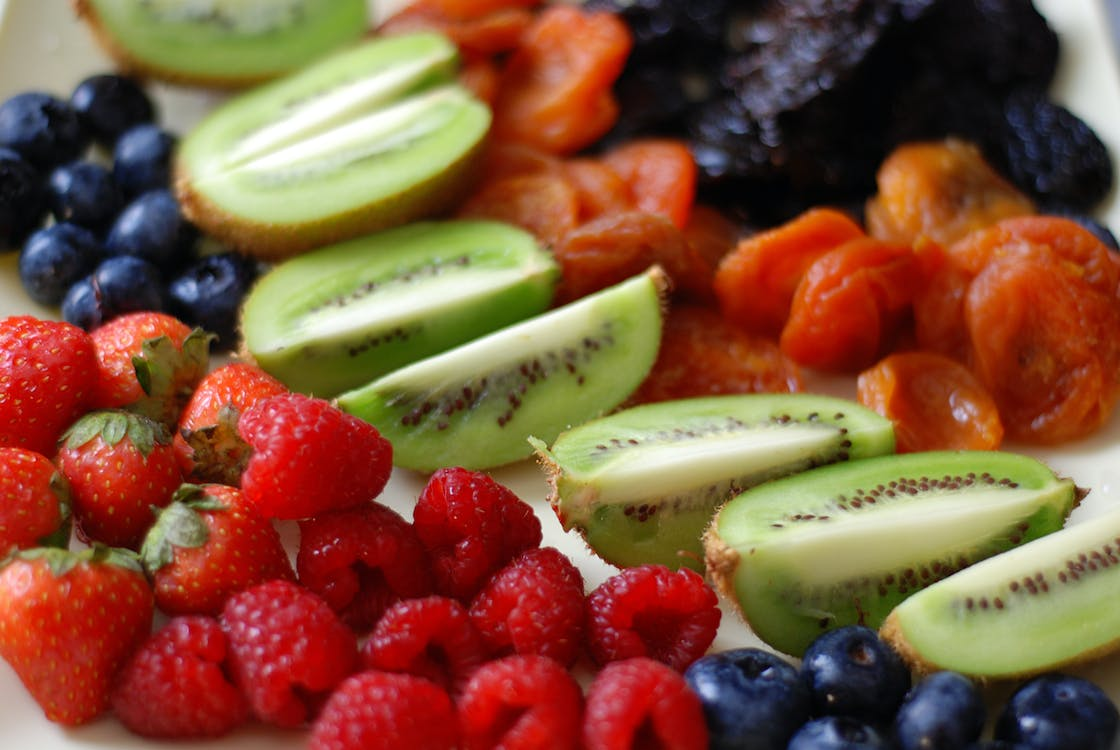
<point x="521" y="703"/>
<point x="376" y="710"/>
<point x="534" y="605"/>
<point x="175" y="687"/>
<point x="361" y="561"/>
<point x="288" y="650"/>
<point x="431" y="637"/>
<point x="650" y="610"/>
<point x="641" y="702"/>
<point x="309" y="457"/>
<point x="472" y="526"/>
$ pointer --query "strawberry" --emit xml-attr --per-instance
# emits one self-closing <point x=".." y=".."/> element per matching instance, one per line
<point x="209" y="543"/>
<point x="68" y="620"/>
<point x="119" y="465"/>
<point x="207" y="443"/>
<point x="34" y="501"/>
<point x="47" y="372"/>
<point x="309" y="457"/>
<point x="149" y="362"/>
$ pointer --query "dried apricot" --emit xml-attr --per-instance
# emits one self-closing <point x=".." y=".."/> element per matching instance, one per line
<point x="935" y="402"/>
<point x="711" y="233"/>
<point x="479" y="28"/>
<point x="543" y="203"/>
<point x="661" y="174"/>
<point x="504" y="159"/>
<point x="601" y="189"/>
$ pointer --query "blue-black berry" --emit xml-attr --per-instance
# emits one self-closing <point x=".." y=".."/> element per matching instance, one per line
<point x="1057" y="711"/>
<point x="42" y="128"/>
<point x="944" y="711"/>
<point x="850" y="671"/>
<point x="208" y="293"/>
<point x="837" y="733"/>
<point x="119" y="284"/>
<point x="83" y="192"/>
<point x="153" y="228"/>
<point x="22" y="199"/>
<point x="109" y="104"/>
<point x="142" y="159"/>
<point x="56" y="257"/>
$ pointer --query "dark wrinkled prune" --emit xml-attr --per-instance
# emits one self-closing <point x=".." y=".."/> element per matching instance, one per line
<point x="1102" y="232"/>
<point x="1054" y="155"/>
<point x="655" y="100"/>
<point x="658" y="25"/>
<point x="931" y="107"/>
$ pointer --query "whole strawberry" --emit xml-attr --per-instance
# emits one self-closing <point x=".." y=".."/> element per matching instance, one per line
<point x="310" y="457"/>
<point x="119" y="465"/>
<point x="34" y="501"/>
<point x="209" y="543"/>
<point x="47" y="374"/>
<point x="68" y="620"/>
<point x="149" y="362"/>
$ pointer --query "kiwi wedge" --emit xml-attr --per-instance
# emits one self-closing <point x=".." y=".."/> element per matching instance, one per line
<point x="476" y="405"/>
<point x="221" y="43"/>
<point x="336" y="318"/>
<point x="1039" y="607"/>
<point x="641" y="485"/>
<point x="374" y="136"/>
<point x="844" y="544"/>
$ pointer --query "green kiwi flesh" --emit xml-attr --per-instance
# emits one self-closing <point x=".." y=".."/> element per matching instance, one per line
<point x="222" y="43"/>
<point x="476" y="405"/>
<point x="641" y="485"/>
<point x="844" y="544"/>
<point x="337" y="318"/>
<point x="377" y="135"/>
<point x="1040" y="607"/>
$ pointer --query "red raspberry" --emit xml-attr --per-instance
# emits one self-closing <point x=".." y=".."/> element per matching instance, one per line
<point x="534" y="605"/>
<point x="472" y="526"/>
<point x="430" y="637"/>
<point x="361" y="561"/>
<point x="650" y="610"/>
<point x="175" y="686"/>
<point x="386" y="711"/>
<point x="310" y="457"/>
<point x="521" y="703"/>
<point x="288" y="650"/>
<point x="641" y="702"/>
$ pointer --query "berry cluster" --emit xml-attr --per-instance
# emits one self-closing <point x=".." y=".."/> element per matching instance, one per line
<point x="85" y="195"/>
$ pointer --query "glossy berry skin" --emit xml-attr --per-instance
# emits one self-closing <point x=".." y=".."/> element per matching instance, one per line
<point x="850" y="671"/>
<point x="109" y="104"/>
<point x="1058" y="711"/>
<point x="56" y="257"/>
<point x="174" y="686"/>
<point x="837" y="733"/>
<point x="42" y="128"/>
<point x="385" y="711"/>
<point x="288" y="650"/>
<point x="752" y="699"/>
<point x="151" y="227"/>
<point x="639" y="696"/>
<point x="22" y="199"/>
<point x="47" y="373"/>
<point x="209" y="293"/>
<point x="68" y="620"/>
<point x="310" y="457"/>
<point x="118" y="285"/>
<point x="945" y="710"/>
<point x="142" y="159"/>
<point x="83" y="192"/>
<point x="34" y="501"/>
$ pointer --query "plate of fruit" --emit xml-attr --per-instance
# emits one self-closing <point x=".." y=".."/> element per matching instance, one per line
<point x="531" y="374"/>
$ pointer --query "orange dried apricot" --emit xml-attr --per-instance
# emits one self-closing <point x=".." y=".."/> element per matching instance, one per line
<point x="479" y="28"/>
<point x="543" y="203"/>
<point x="601" y="189"/>
<point x="661" y="174"/>
<point x="711" y="233"/>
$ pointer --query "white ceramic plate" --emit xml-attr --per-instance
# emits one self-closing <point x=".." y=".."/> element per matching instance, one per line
<point x="43" y="47"/>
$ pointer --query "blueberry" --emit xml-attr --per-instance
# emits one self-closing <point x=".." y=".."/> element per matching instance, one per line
<point x="945" y="711"/>
<point x="837" y="733"/>
<point x="850" y="671"/>
<point x="54" y="258"/>
<point x="118" y="285"/>
<point x="152" y="227"/>
<point x="142" y="159"/>
<point x="83" y="192"/>
<point x="44" y="129"/>
<point x="208" y="293"/>
<point x="109" y="104"/>
<point x="22" y="199"/>
<point x="1057" y="711"/>
<point x="752" y="699"/>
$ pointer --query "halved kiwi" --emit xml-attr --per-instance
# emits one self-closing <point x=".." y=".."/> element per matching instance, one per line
<point x="477" y="404"/>
<point x="641" y="484"/>
<point x="339" y="317"/>
<point x="1040" y="607"/>
<point x="844" y="544"/>
<point x="221" y="43"/>
<point x="375" y="136"/>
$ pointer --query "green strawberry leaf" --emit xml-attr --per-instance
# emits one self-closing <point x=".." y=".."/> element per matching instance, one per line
<point x="178" y="525"/>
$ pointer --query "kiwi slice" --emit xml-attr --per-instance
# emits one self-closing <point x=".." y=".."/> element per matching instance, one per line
<point x="641" y="485"/>
<point x="1039" y="607"/>
<point x="374" y="136"/>
<point x="477" y="405"/>
<point x="221" y="43"/>
<point x="844" y="544"/>
<point x="336" y="318"/>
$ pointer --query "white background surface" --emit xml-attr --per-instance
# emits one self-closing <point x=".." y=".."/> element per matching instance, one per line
<point x="43" y="47"/>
